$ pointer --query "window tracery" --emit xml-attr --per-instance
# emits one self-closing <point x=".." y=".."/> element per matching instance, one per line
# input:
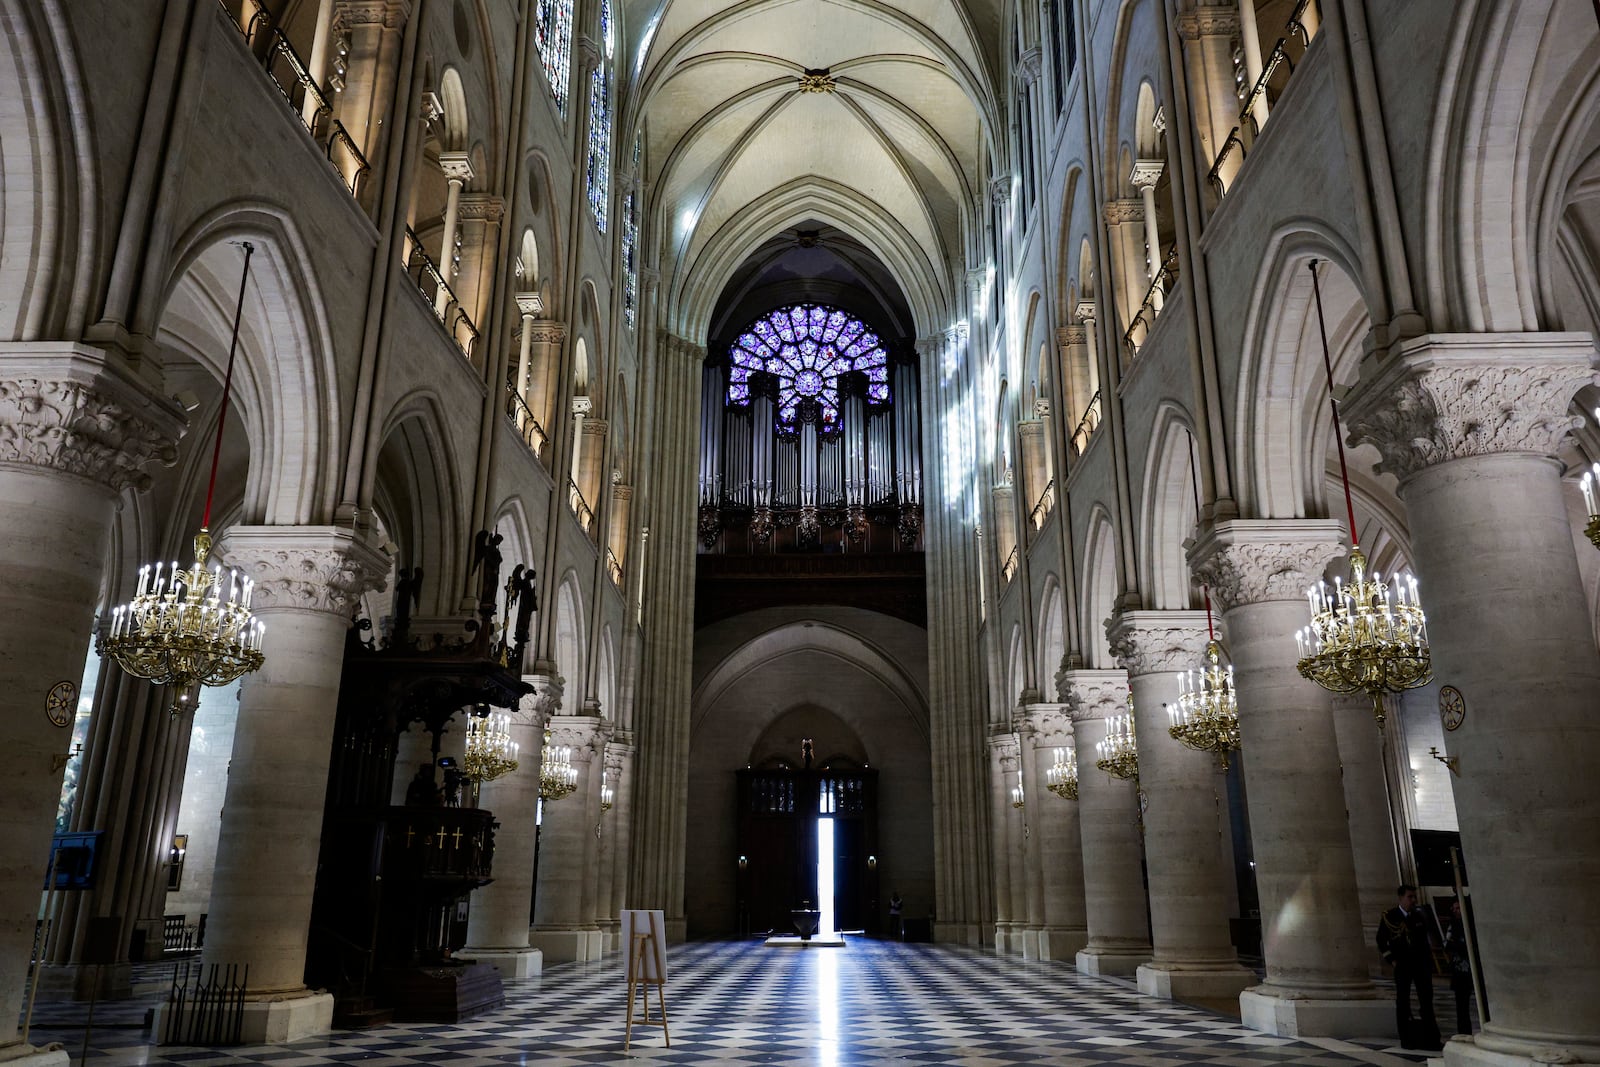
<point x="552" y="32"/>
<point x="599" y="168"/>
<point x="806" y="347"/>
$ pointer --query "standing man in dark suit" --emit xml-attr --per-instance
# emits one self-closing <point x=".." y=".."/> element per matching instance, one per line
<point x="1404" y="943"/>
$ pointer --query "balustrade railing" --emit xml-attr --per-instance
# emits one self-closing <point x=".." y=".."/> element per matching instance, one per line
<point x="1086" y="425"/>
<point x="527" y="427"/>
<point x="306" y="99"/>
<point x="614" y="567"/>
<point x="580" y="507"/>
<point x="1008" y="569"/>
<point x="1041" y="510"/>
<point x="1276" y="69"/>
<point x="430" y="283"/>
<point x="1150" y="307"/>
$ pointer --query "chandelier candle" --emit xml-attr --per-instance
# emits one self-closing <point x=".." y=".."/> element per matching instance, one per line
<point x="1062" y="779"/>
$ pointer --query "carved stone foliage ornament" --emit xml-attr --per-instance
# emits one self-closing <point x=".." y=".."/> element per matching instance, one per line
<point x="583" y="734"/>
<point x="1050" y="725"/>
<point x="77" y="428"/>
<point x="545" y="700"/>
<point x="1257" y="561"/>
<point x="307" y="568"/>
<point x="817" y="81"/>
<point x="1455" y="396"/>
<point x="1090" y="694"/>
<point x="1157" y="642"/>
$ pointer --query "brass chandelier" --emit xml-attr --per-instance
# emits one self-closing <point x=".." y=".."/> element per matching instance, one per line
<point x="1062" y="779"/>
<point x="1591" y="478"/>
<point x="1119" y="752"/>
<point x="1364" y="636"/>
<point x="557" y="776"/>
<point x="490" y="753"/>
<point x="179" y="629"/>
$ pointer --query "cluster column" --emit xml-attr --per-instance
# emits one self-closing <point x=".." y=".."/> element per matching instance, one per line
<point x="78" y="428"/>
<point x="615" y="826"/>
<point x="1007" y="840"/>
<point x="1470" y="423"/>
<point x="308" y="581"/>
<point x="497" y="926"/>
<point x="1055" y="839"/>
<point x="564" y="905"/>
<point x="1185" y="816"/>
<point x="1108" y="817"/>
<point x="1312" y="935"/>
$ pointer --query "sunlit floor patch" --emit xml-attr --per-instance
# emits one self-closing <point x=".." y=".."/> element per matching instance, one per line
<point x="742" y="1003"/>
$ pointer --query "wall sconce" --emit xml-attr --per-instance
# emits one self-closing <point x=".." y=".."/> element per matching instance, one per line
<point x="607" y="798"/>
<point x="872" y="863"/>
<point x="1017" y="799"/>
<point x="59" y="760"/>
<point x="1453" y="762"/>
<point x="743" y="863"/>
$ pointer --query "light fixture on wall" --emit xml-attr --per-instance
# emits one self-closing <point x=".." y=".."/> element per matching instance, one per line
<point x="1018" y="798"/>
<point x="557" y="776"/>
<point x="490" y="751"/>
<point x="1062" y="779"/>
<point x="1119" y="752"/>
<point x="180" y="629"/>
<point x="1364" y="636"/>
<point x="608" y="798"/>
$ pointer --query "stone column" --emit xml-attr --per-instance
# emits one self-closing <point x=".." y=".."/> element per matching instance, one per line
<point x="457" y="168"/>
<point x="1145" y="177"/>
<point x="563" y="906"/>
<point x="373" y="29"/>
<point x="308" y="580"/>
<point x="544" y="352"/>
<point x="1033" y="791"/>
<point x="1185" y="815"/>
<point x="1108" y="817"/>
<point x="497" y="925"/>
<point x="614" y="829"/>
<point x="1317" y="983"/>
<point x="1125" y="223"/>
<point x="478" y="221"/>
<point x="1059" y="843"/>
<point x="1002" y="775"/>
<point x="1250" y="44"/>
<point x="78" y="427"/>
<point x="1470" y="424"/>
<point x="1208" y="34"/>
<point x="1362" y="759"/>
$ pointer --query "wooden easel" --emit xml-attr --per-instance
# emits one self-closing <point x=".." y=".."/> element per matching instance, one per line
<point x="643" y="950"/>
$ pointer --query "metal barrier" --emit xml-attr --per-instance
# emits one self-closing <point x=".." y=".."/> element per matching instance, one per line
<point x="205" y="1005"/>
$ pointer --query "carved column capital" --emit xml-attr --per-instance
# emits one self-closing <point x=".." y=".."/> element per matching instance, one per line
<point x="389" y="14"/>
<point x="1146" y="173"/>
<point x="1157" y="642"/>
<point x="1048" y="725"/>
<point x="305" y="568"/>
<point x="1006" y="751"/>
<point x="1252" y="561"/>
<point x="1126" y="209"/>
<point x="546" y="332"/>
<point x="1086" y="311"/>
<point x="1451" y="396"/>
<point x="481" y="207"/>
<point x="584" y="734"/>
<point x="1094" y="694"/>
<point x="1209" y="22"/>
<point x="1029" y="64"/>
<point x="456" y="166"/>
<point x="1000" y="189"/>
<point x="530" y="305"/>
<point x="74" y="410"/>
<point x="1071" y="335"/>
<point x="544" y="703"/>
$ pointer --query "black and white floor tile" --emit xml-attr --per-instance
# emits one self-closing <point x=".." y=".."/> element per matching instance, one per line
<point x="738" y="1003"/>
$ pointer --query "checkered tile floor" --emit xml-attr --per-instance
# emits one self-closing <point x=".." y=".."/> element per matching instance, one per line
<point x="743" y="1003"/>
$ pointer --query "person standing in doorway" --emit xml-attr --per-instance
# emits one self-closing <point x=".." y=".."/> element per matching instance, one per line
<point x="1404" y="944"/>
<point x="896" y="905"/>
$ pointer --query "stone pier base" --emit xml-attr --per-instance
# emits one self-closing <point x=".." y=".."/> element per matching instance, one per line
<point x="1177" y="982"/>
<point x="1117" y="963"/>
<point x="510" y="962"/>
<point x="1283" y="1015"/>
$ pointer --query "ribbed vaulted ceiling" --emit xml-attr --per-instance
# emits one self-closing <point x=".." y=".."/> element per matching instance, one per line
<point x="737" y="152"/>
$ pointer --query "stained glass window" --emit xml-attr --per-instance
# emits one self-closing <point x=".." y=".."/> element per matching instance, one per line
<point x="599" y="170"/>
<point x="630" y="256"/>
<point x="552" y="34"/>
<point x="806" y="347"/>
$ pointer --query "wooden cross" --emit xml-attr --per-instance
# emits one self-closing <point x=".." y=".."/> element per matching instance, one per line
<point x="457" y="836"/>
<point x="410" y="833"/>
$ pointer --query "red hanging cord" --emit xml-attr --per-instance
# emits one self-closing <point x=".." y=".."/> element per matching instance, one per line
<point x="227" y="388"/>
<point x="1338" y="430"/>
